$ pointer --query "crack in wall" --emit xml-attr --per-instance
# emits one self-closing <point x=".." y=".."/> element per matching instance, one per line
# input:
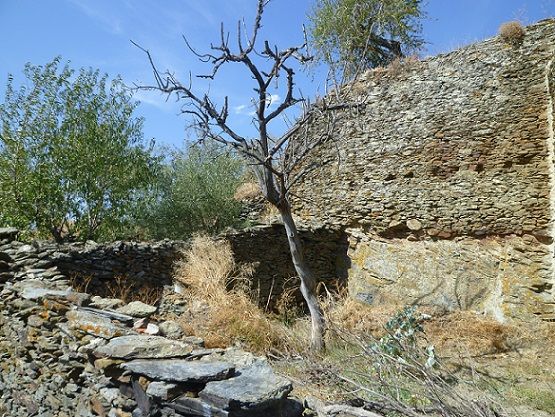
<point x="550" y="84"/>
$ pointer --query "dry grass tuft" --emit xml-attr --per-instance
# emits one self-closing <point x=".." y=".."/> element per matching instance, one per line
<point x="355" y="317"/>
<point x="213" y="278"/>
<point x="466" y="332"/>
<point x="512" y="33"/>
<point x="247" y="191"/>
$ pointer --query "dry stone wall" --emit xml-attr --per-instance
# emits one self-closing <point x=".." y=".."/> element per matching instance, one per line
<point x="110" y="269"/>
<point x="91" y="265"/>
<point x="266" y="250"/>
<point x="442" y="169"/>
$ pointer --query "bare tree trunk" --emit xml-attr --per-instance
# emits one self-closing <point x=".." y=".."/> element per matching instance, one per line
<point x="308" y="282"/>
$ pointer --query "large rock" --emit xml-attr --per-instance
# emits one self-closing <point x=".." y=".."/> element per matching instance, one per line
<point x="95" y="324"/>
<point x="256" y="388"/>
<point x="185" y="371"/>
<point x="34" y="289"/>
<point x="137" y="309"/>
<point x="144" y="347"/>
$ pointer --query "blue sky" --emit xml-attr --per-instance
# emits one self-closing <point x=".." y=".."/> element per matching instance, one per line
<point x="97" y="33"/>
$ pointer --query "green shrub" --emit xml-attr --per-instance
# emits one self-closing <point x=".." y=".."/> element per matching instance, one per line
<point x="72" y="158"/>
<point x="195" y="194"/>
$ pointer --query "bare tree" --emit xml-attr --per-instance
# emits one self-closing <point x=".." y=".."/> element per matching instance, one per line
<point x="265" y="155"/>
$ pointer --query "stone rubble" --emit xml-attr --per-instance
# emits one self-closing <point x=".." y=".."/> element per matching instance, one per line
<point x="64" y="353"/>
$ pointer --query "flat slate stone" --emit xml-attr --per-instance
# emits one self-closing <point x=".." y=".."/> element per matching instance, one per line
<point x="256" y="388"/>
<point x="112" y="315"/>
<point x="34" y="289"/>
<point x="137" y="309"/>
<point x="144" y="347"/>
<point x="100" y="302"/>
<point x="196" y="407"/>
<point x="162" y="390"/>
<point x="95" y="324"/>
<point x="180" y="370"/>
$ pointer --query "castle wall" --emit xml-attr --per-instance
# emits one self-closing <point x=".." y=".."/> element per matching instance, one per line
<point x="443" y="167"/>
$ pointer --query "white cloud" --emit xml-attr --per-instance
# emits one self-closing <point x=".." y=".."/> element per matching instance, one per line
<point x="109" y="21"/>
<point x="249" y="109"/>
<point x="273" y="100"/>
<point x="154" y="99"/>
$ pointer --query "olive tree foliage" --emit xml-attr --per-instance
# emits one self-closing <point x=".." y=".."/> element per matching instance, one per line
<point x="267" y="66"/>
<point x="195" y="193"/>
<point x="354" y="35"/>
<point x="72" y="156"/>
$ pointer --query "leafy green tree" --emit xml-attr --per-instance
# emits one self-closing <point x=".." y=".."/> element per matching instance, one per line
<point x="354" y="35"/>
<point x="195" y="193"/>
<point x="72" y="157"/>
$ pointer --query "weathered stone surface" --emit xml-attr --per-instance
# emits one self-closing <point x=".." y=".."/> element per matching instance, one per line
<point x="144" y="347"/>
<point x="112" y="315"/>
<point x="33" y="289"/>
<point x="180" y="370"/>
<point x="162" y="390"/>
<point x="94" y="324"/>
<point x="191" y="406"/>
<point x="196" y="407"/>
<point x="256" y="388"/>
<point x="137" y="309"/>
<point x="171" y="329"/>
<point x="414" y="225"/>
<point x="108" y="303"/>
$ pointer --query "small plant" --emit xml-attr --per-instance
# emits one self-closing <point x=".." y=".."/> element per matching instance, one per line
<point x="121" y="287"/>
<point x="403" y="333"/>
<point x="80" y="283"/>
<point x="399" y="373"/>
<point x="512" y="33"/>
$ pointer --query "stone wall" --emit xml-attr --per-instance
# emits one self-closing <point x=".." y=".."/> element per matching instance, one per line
<point x="443" y="167"/>
<point x="92" y="265"/>
<point x="103" y="269"/>
<point x="267" y="250"/>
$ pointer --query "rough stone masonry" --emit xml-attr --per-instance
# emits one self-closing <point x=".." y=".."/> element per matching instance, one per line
<point x="441" y="173"/>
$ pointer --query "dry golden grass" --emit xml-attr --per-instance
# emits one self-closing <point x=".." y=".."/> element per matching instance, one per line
<point x="349" y="315"/>
<point x="121" y="287"/>
<point x="512" y="32"/>
<point x="453" y="334"/>
<point x="247" y="191"/>
<point x="466" y="332"/>
<point x="211" y="276"/>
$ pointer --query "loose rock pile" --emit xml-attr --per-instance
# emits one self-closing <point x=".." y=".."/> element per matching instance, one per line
<point x="64" y="353"/>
